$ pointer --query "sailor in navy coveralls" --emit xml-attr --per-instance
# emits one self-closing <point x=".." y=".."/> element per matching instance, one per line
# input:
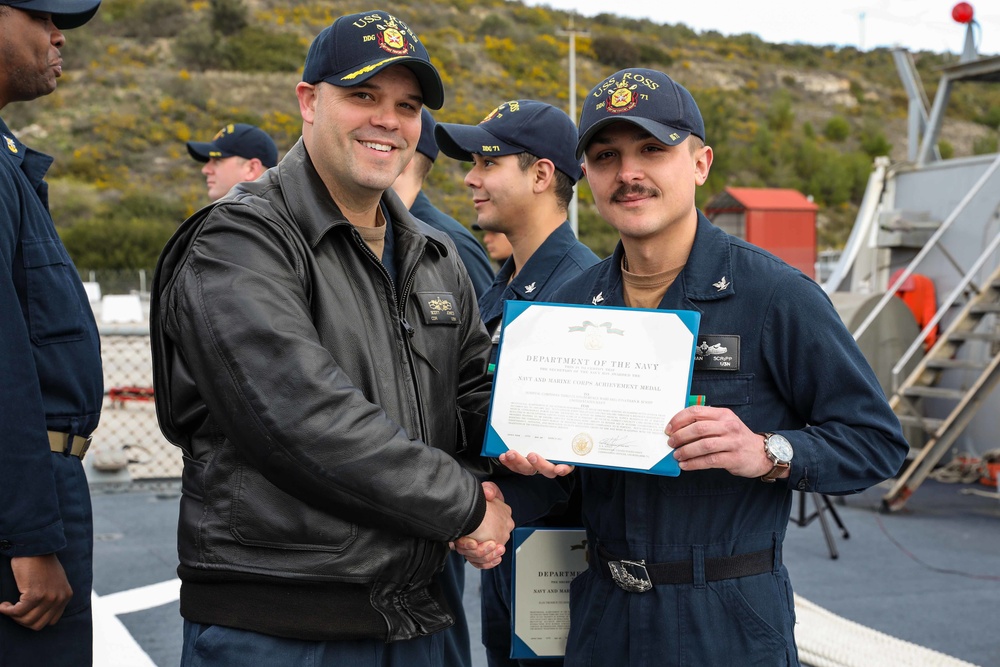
<point x="687" y="570"/>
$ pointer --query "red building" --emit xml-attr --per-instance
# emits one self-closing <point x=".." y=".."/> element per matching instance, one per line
<point x="781" y="221"/>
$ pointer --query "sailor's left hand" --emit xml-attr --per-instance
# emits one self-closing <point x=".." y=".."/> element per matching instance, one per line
<point x="704" y="437"/>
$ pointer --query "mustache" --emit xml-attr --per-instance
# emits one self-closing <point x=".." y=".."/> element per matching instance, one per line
<point x="632" y="189"/>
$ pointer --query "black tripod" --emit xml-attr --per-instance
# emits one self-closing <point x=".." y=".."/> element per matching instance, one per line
<point x="823" y="504"/>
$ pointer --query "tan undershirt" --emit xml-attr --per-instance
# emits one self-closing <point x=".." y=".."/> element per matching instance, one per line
<point x="646" y="291"/>
<point x="375" y="236"/>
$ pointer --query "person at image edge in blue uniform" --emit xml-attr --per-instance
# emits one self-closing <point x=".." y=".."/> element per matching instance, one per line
<point x="522" y="178"/>
<point x="51" y="383"/>
<point x="791" y="404"/>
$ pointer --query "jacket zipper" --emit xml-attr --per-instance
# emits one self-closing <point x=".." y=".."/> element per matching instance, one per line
<point x="400" y="301"/>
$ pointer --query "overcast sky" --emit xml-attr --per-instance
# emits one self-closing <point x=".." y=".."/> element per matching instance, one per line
<point x="914" y="24"/>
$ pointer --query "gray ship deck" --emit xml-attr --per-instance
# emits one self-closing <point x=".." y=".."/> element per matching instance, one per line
<point x="929" y="575"/>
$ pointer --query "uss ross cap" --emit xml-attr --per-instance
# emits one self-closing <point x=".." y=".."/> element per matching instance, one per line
<point x="359" y="46"/>
<point x="643" y="97"/>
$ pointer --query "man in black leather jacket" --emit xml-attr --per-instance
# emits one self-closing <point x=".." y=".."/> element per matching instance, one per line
<point x="318" y="356"/>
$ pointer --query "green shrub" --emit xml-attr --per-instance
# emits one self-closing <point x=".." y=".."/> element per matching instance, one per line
<point x="117" y="244"/>
<point x="837" y="129"/>
<point x="984" y="145"/>
<point x="256" y="49"/>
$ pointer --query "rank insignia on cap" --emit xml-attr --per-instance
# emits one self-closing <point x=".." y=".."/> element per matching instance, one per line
<point x="11" y="146"/>
<point x="622" y="99"/>
<point x="391" y="40"/>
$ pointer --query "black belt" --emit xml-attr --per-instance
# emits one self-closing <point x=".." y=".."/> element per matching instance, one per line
<point x="637" y="576"/>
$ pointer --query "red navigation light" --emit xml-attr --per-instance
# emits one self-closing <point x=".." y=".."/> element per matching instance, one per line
<point x="962" y="12"/>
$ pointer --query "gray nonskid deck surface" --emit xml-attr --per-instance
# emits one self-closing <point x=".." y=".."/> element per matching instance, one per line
<point x="877" y="580"/>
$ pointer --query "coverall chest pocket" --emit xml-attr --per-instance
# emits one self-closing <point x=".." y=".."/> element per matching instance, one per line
<point x="726" y="390"/>
<point x="55" y="312"/>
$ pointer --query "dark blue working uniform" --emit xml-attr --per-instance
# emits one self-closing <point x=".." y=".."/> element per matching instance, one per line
<point x="477" y="263"/>
<point x="50" y="380"/>
<point x="473" y="255"/>
<point x="560" y="258"/>
<point x="783" y="362"/>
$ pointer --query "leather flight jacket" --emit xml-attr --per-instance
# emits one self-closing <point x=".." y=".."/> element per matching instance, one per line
<point x="331" y="420"/>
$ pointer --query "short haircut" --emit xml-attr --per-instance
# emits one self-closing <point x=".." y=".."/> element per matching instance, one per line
<point x="423" y="165"/>
<point x="563" y="183"/>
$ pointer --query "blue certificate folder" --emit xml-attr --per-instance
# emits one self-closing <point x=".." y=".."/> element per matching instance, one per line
<point x="545" y="561"/>
<point x="602" y="317"/>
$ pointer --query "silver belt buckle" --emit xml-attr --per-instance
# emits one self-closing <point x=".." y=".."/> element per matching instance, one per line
<point x="630" y="575"/>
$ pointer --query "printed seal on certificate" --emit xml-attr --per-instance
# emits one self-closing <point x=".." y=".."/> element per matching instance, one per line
<point x="582" y="444"/>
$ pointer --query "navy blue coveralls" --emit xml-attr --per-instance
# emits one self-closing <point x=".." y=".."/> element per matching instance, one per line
<point x="794" y="369"/>
<point x="473" y="255"/>
<point x="477" y="263"/>
<point x="50" y="380"/>
<point x="560" y="258"/>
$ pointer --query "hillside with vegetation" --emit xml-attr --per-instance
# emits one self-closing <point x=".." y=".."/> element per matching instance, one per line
<point x="145" y="76"/>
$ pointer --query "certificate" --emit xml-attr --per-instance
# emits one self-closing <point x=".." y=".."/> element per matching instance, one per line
<point x="591" y="386"/>
<point x="545" y="562"/>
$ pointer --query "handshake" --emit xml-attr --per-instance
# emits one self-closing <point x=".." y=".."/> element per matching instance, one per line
<point x="485" y="546"/>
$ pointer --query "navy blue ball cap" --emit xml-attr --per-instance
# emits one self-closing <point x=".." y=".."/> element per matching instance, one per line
<point x="246" y="141"/>
<point x="427" y="145"/>
<point x="359" y="46"/>
<point x="66" y="14"/>
<point x="643" y="97"/>
<point x="518" y="126"/>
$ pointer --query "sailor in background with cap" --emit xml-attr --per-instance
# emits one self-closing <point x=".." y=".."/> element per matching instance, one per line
<point x="409" y="188"/>
<point x="51" y="383"/>
<point x="237" y="153"/>
<point x="522" y="177"/>
<point x="318" y="356"/>
<point x="687" y="570"/>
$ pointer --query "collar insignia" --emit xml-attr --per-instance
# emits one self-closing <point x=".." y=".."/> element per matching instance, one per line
<point x="11" y="146"/>
<point x="722" y="284"/>
<point x="597" y="299"/>
<point x="528" y="289"/>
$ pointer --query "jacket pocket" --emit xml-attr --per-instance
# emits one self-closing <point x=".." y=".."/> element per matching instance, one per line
<point x="265" y="516"/>
<point x="55" y="311"/>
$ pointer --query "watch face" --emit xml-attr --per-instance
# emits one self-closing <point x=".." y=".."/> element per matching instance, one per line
<point x="779" y="447"/>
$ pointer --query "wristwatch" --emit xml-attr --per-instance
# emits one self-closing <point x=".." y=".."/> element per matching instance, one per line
<point x="779" y="450"/>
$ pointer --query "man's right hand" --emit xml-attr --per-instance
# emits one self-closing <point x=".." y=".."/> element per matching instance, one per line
<point x="45" y="592"/>
<point x="485" y="546"/>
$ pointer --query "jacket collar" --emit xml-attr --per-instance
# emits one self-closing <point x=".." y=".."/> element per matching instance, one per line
<point x="316" y="213"/>
<point x="708" y="272"/>
<point x="707" y="275"/>
<point x="543" y="262"/>
<point x="31" y="162"/>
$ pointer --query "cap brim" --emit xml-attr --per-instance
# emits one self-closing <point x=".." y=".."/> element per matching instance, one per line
<point x="459" y="142"/>
<point x="66" y="14"/>
<point x="670" y="136"/>
<point x="431" y="88"/>
<point x="202" y="150"/>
